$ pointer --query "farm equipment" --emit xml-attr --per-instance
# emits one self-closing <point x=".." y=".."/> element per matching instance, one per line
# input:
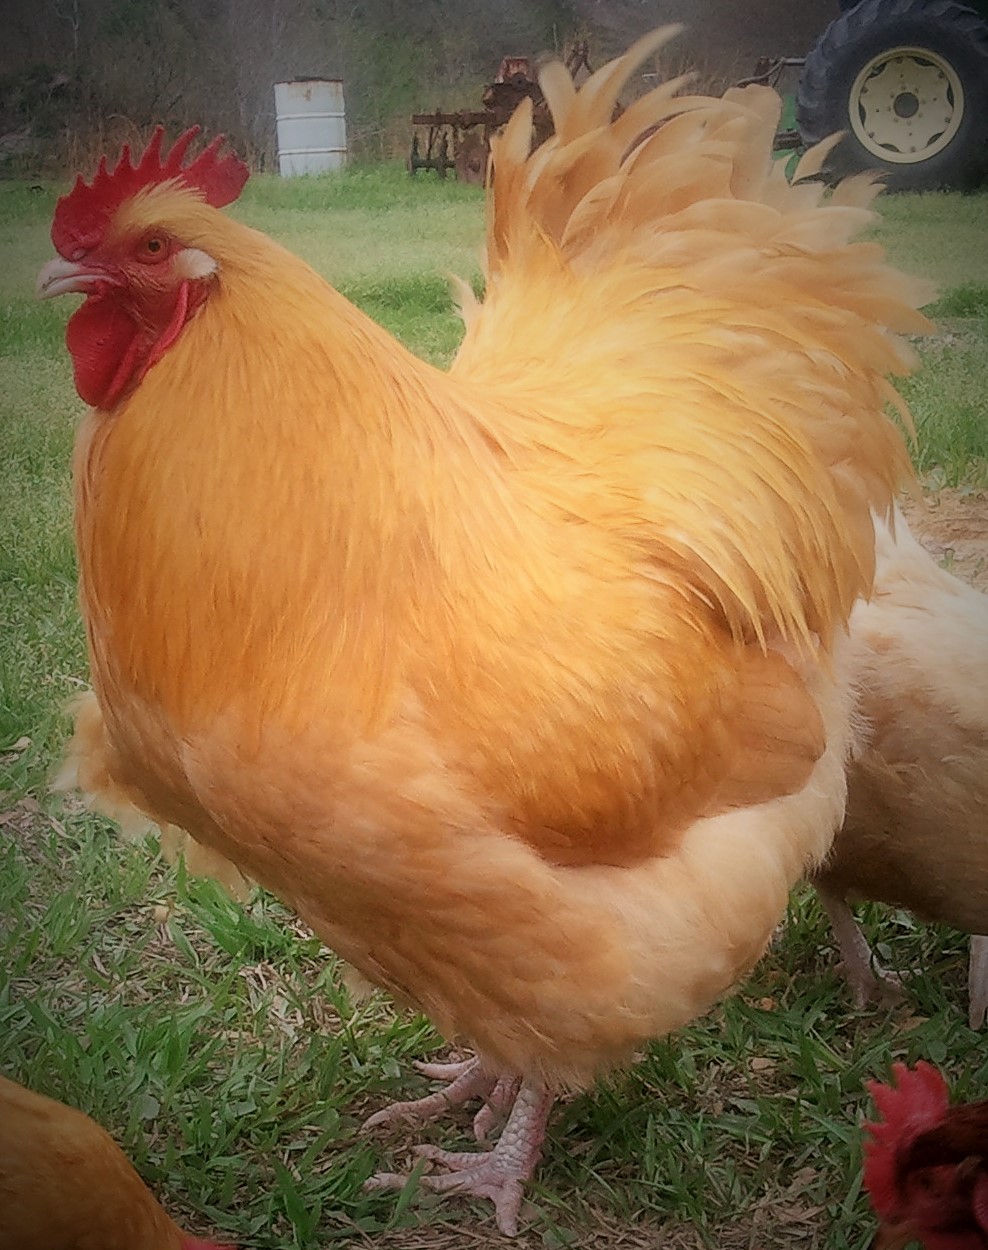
<point x="462" y="141"/>
<point x="907" y="81"/>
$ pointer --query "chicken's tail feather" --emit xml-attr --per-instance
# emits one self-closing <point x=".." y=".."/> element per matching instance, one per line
<point x="88" y="767"/>
<point x="663" y="253"/>
<point x="670" y="163"/>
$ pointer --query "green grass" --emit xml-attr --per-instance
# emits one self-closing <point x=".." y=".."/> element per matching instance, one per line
<point x="940" y="235"/>
<point x="217" y="1042"/>
<point x="943" y="237"/>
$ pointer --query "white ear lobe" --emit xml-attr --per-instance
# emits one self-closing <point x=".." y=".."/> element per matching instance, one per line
<point x="192" y="263"/>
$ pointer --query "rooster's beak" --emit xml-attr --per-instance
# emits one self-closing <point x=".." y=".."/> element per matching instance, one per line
<point x="895" y="1236"/>
<point x="59" y="277"/>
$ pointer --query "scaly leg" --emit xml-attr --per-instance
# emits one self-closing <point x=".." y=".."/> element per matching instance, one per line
<point x="497" y="1105"/>
<point x="868" y="980"/>
<point x="497" y="1174"/>
<point x="977" y="981"/>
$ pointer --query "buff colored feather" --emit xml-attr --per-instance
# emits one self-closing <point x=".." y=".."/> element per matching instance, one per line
<point x="916" y="830"/>
<point x="90" y="766"/>
<point x="66" y="1185"/>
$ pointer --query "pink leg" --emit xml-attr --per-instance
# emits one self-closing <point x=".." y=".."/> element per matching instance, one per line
<point x="868" y="980"/>
<point x="465" y="1081"/>
<point x="496" y="1106"/>
<point x="497" y="1174"/>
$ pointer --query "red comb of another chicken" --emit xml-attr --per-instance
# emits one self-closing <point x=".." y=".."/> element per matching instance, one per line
<point x="916" y="1101"/>
<point x="81" y="217"/>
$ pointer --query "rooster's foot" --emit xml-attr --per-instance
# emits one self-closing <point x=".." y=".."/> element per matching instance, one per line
<point x="498" y="1174"/>
<point x="868" y="981"/>
<point x="878" y="987"/>
<point x="465" y="1080"/>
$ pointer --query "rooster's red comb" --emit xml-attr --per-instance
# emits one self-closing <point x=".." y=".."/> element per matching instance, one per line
<point x="917" y="1100"/>
<point x="81" y="217"/>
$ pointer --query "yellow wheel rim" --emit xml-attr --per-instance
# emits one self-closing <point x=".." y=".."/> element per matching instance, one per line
<point x="906" y="105"/>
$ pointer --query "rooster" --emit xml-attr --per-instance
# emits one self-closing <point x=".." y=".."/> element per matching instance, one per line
<point x="916" y="830"/>
<point x="66" y="1185"/>
<point x="524" y="683"/>
<point x="926" y="1164"/>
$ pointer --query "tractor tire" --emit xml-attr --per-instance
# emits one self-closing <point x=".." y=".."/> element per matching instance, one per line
<point x="907" y="80"/>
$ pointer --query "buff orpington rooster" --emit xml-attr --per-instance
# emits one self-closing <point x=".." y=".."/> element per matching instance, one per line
<point x="524" y="683"/>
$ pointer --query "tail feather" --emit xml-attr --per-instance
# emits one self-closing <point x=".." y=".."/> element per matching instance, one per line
<point x="660" y="264"/>
<point x="558" y="90"/>
<point x="858" y="190"/>
<point x="593" y="105"/>
<point x="646" y="113"/>
<point x="647" y="170"/>
<point x="812" y="161"/>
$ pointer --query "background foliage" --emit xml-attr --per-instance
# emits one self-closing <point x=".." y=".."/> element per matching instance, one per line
<point x="79" y="76"/>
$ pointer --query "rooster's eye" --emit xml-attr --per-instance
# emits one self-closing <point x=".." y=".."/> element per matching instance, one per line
<point x="154" y="247"/>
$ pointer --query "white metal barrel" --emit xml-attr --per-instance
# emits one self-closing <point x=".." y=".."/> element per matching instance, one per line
<point x="311" y="126"/>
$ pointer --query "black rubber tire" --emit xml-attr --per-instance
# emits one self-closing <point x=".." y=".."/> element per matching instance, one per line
<point x="955" y="33"/>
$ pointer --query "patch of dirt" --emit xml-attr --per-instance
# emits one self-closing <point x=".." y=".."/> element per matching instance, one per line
<point x="25" y="824"/>
<point x="952" y="525"/>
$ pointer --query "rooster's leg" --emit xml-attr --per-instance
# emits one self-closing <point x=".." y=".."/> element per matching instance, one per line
<point x="464" y="1081"/>
<point x="497" y="1174"/>
<point x="977" y="981"/>
<point x="868" y="980"/>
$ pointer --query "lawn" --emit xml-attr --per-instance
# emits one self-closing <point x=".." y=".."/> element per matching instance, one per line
<point x="216" y="1041"/>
